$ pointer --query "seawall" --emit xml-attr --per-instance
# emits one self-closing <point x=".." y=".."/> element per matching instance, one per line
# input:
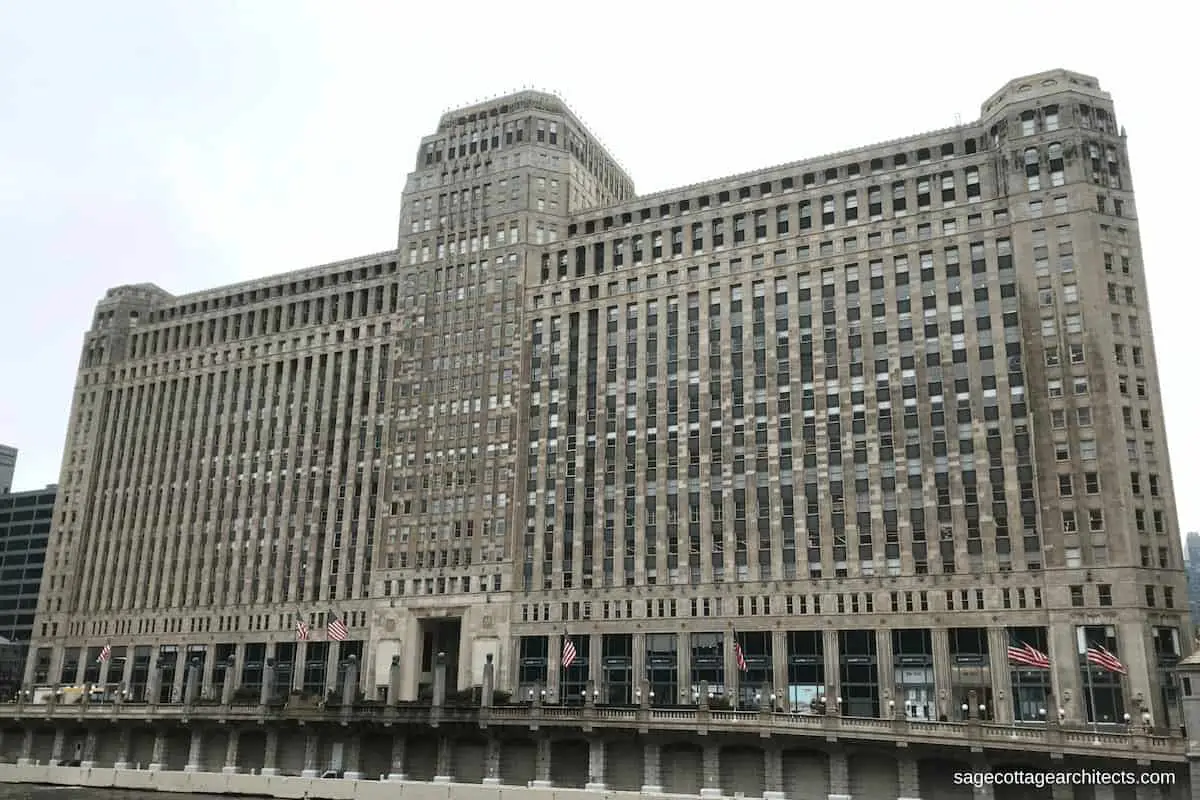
<point x="288" y="787"/>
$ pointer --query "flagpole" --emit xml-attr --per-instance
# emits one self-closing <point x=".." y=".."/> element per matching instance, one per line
<point x="1092" y="697"/>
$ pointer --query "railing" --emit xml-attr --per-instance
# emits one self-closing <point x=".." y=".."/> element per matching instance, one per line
<point x="1135" y="743"/>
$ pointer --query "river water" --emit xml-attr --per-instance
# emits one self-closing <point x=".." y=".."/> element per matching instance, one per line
<point x="14" y="791"/>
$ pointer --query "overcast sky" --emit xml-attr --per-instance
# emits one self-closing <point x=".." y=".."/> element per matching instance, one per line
<point x="193" y="144"/>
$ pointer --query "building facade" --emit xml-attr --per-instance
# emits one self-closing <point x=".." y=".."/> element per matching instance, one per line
<point x="1191" y="558"/>
<point x="25" y="519"/>
<point x="8" y="466"/>
<point x="559" y="411"/>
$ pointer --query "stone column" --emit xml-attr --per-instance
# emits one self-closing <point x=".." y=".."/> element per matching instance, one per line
<point x="779" y="666"/>
<point x="312" y="747"/>
<point x="231" y="752"/>
<point x="908" y="778"/>
<point x="831" y="651"/>
<point x="488" y="688"/>
<point x="712" y="772"/>
<point x="89" y="750"/>
<point x="839" y="776"/>
<point x="26" y="757"/>
<point x="394" y="681"/>
<point x="267" y="694"/>
<point x="940" y="639"/>
<point x="206" y="675"/>
<point x="271" y="752"/>
<point x="56" y="749"/>
<point x="352" y="757"/>
<point x="652" y="769"/>
<point x="191" y="687"/>
<point x="554" y="669"/>
<point x="439" y="680"/>
<point x="445" y="761"/>
<point x="232" y="680"/>
<point x="1104" y="792"/>
<point x="399" y="751"/>
<point x="542" y="775"/>
<point x="350" y="683"/>
<point x="153" y="684"/>
<point x="1062" y="791"/>
<point x="683" y="663"/>
<point x="596" y="764"/>
<point x="885" y="665"/>
<point x="1001" y="676"/>
<point x="158" y="758"/>
<point x="773" y="772"/>
<point x="121" y="760"/>
<point x="180" y="675"/>
<point x="298" y="666"/>
<point x="195" y="752"/>
<point x="491" y="764"/>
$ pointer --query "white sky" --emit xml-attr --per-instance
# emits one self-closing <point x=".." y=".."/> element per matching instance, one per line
<point x="193" y="144"/>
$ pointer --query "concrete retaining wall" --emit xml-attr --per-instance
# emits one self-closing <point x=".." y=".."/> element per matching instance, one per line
<point x="287" y="787"/>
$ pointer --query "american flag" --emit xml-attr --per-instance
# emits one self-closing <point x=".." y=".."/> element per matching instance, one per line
<point x="569" y="652"/>
<point x="336" y="629"/>
<point x="301" y="629"/>
<point x="105" y="654"/>
<point x="1105" y="660"/>
<point x="739" y="656"/>
<point x="1027" y="655"/>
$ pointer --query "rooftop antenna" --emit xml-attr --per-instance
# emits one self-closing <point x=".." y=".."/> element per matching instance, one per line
<point x="958" y="119"/>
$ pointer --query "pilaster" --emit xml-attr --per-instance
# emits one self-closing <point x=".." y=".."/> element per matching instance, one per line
<point x="231" y="752"/>
<point x="26" y="757"/>
<point x="942" y="674"/>
<point x="270" y="752"/>
<point x="89" y="750"/>
<point x="56" y="749"/>
<point x="885" y="666"/>
<point x="1001" y="675"/>
<point x="711" y="786"/>
<point x="779" y="666"/>
<point x="596" y="764"/>
<point x="491" y="763"/>
<point x="121" y="759"/>
<point x="554" y="669"/>
<point x="158" y="757"/>
<point x="1062" y="791"/>
<point x="652" y="769"/>
<point x="908" y="777"/>
<point x="833" y="663"/>
<point x="1104" y="792"/>
<point x="312" y="747"/>
<point x="839" y="776"/>
<point x="399" y="755"/>
<point x="542" y="775"/>
<point x="773" y="772"/>
<point x="196" y="751"/>
<point x="445" y="761"/>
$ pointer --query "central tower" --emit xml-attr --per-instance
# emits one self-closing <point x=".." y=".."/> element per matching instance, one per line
<point x="491" y="189"/>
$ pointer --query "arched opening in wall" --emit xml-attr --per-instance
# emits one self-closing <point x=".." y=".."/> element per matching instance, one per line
<point x="743" y="770"/>
<point x="375" y="755"/>
<point x="873" y="775"/>
<point x="470" y="760"/>
<point x="569" y="764"/>
<point x="624" y="765"/>
<point x="518" y="762"/>
<point x="937" y="780"/>
<point x="805" y="775"/>
<point x="422" y="754"/>
<point x="682" y="769"/>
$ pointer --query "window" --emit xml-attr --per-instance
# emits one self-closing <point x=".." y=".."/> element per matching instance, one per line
<point x="1095" y="519"/>
<point x="1091" y="482"/>
<point x="1065" y="487"/>
<point x="1068" y="522"/>
<point x="1105" y="592"/>
<point x="1076" y="596"/>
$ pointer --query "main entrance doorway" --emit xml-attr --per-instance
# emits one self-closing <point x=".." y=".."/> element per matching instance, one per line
<point x="440" y="636"/>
